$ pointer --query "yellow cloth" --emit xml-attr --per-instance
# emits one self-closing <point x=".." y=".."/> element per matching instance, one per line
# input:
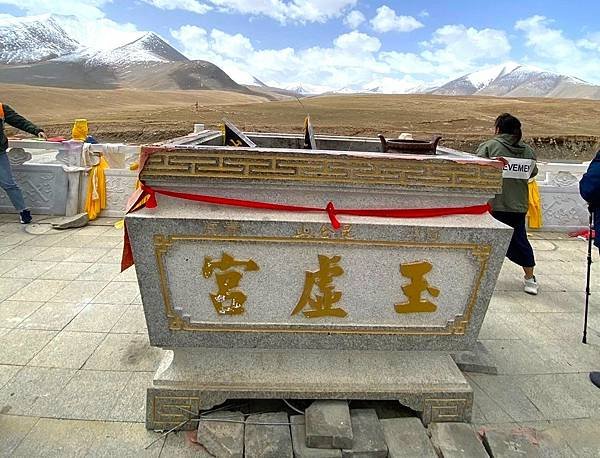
<point x="80" y="129"/>
<point x="95" y="200"/>
<point x="534" y="213"/>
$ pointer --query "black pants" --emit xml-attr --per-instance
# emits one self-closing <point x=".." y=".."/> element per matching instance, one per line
<point x="519" y="250"/>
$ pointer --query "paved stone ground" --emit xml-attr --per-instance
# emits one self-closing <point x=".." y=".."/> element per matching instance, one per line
<point x="75" y="359"/>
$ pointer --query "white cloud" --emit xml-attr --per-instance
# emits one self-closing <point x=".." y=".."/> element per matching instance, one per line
<point x="83" y="20"/>
<point x="456" y="48"/>
<point x="386" y="20"/>
<point x="188" y="5"/>
<point x="357" y="42"/>
<point x="354" y="19"/>
<point x="550" y="49"/>
<point x="280" y="10"/>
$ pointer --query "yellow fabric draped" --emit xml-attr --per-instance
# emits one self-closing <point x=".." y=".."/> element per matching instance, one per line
<point x="95" y="200"/>
<point x="80" y="129"/>
<point x="534" y="213"/>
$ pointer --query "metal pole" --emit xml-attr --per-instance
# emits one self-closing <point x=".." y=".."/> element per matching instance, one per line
<point x="587" y="283"/>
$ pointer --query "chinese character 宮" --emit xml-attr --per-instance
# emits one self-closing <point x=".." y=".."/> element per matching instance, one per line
<point x="228" y="300"/>
<point x="414" y="290"/>
<point x="322" y="301"/>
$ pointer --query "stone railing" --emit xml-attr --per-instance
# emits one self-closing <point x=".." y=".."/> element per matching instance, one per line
<point x="563" y="208"/>
<point x="54" y="181"/>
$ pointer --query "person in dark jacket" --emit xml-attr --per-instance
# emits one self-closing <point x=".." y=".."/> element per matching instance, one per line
<point x="510" y="207"/>
<point x="589" y="188"/>
<point x="7" y="181"/>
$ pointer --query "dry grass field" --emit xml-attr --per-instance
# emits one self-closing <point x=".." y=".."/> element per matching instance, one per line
<point x="559" y="128"/>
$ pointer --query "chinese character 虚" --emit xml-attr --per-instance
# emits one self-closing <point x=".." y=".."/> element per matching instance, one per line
<point x="321" y="304"/>
<point x="227" y="300"/>
<point x="416" y="272"/>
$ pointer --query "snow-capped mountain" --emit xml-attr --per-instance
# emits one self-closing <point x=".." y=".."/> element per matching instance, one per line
<point x="33" y="39"/>
<point x="37" y="51"/>
<point x="148" y="48"/>
<point x="515" y="80"/>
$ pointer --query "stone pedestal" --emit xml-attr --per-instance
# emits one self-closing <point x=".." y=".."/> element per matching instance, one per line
<point x="202" y="378"/>
<point x="271" y="304"/>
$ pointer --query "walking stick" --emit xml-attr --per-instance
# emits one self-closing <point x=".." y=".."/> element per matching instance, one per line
<point x="587" y="283"/>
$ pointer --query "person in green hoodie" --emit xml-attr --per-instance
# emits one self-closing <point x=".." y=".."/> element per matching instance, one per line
<point x="7" y="181"/>
<point x="510" y="207"/>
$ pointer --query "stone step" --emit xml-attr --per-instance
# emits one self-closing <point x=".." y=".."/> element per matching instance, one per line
<point x="426" y="382"/>
<point x="328" y="425"/>
<point x="269" y="440"/>
<point x="369" y="440"/>
<point x="456" y="440"/>
<point x="407" y="438"/>
<point x="224" y="439"/>
<point x="299" y="442"/>
<point x="515" y="442"/>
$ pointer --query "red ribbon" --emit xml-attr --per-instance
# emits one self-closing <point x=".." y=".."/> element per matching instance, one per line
<point x="330" y="209"/>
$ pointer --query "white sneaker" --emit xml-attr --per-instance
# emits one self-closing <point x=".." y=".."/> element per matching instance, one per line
<point x="531" y="286"/>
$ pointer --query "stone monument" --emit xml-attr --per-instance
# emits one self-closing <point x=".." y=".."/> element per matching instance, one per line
<point x="274" y="302"/>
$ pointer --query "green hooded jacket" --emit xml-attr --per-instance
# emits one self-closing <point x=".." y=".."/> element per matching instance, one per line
<point x="12" y="118"/>
<point x="515" y="192"/>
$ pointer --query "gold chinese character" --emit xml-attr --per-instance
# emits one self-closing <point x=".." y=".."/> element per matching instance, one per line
<point x="322" y="303"/>
<point x="345" y="232"/>
<point x="226" y="300"/>
<point x="416" y="272"/>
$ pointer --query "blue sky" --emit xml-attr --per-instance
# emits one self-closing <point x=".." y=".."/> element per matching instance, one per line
<point x="333" y="44"/>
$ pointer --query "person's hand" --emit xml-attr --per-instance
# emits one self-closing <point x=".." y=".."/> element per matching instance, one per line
<point x="42" y="134"/>
<point x="503" y="160"/>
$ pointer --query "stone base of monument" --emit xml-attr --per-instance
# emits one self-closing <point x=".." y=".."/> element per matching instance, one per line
<point x="191" y="380"/>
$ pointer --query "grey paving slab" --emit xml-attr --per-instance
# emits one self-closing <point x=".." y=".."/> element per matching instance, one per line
<point x="53" y="253"/>
<point x="328" y="425"/>
<point x="10" y="286"/>
<point x="113" y="256"/>
<point x="7" y="372"/>
<point x="89" y="395"/>
<point x="79" y="291"/>
<point x="222" y="438"/>
<point x="561" y="396"/>
<point x="118" y="293"/>
<point x="6" y="265"/>
<point x="33" y="385"/>
<point x="87" y="254"/>
<point x="268" y="440"/>
<point x="22" y="252"/>
<point x="12" y="313"/>
<point x="93" y="230"/>
<point x="298" y="429"/>
<point x="133" y="321"/>
<point x="456" y="440"/>
<point x="15" y="238"/>
<point x="97" y="317"/>
<point x="47" y="239"/>
<point x="88" y="241"/>
<point x="127" y="275"/>
<point x="527" y="326"/>
<point x="125" y="352"/>
<point x="518" y="357"/>
<point x="505" y="391"/>
<point x="182" y="444"/>
<point x="495" y="328"/>
<point x="131" y="401"/>
<point x="38" y="290"/>
<point x="59" y="438"/>
<point x="512" y="443"/>
<point x="368" y="438"/>
<point x="581" y="435"/>
<point x="125" y="440"/>
<point x="68" y="350"/>
<point x="407" y="438"/>
<point x="552" y="302"/>
<point x="505" y="302"/>
<point x="19" y="346"/>
<point x="490" y="409"/>
<point x="52" y="316"/>
<point x="564" y="325"/>
<point x="66" y="270"/>
<point x="13" y="430"/>
<point x="30" y="269"/>
<point x="99" y="272"/>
